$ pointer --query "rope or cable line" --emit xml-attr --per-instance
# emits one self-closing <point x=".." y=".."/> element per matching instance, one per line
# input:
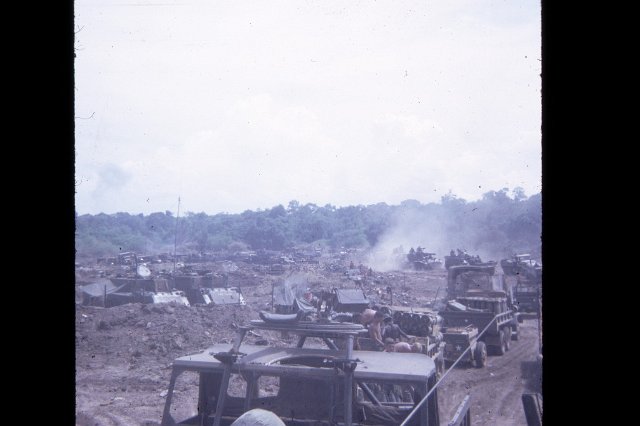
<point x="423" y="400"/>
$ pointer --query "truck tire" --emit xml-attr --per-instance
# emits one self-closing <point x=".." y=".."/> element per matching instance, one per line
<point x="516" y="332"/>
<point x="440" y="366"/>
<point x="480" y="354"/>
<point x="500" y="349"/>
<point x="507" y="338"/>
<point x="258" y="416"/>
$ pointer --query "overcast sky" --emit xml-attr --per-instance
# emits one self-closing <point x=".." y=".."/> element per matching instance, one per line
<point x="239" y="105"/>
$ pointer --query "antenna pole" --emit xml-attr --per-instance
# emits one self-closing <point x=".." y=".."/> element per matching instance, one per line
<point x="175" y="241"/>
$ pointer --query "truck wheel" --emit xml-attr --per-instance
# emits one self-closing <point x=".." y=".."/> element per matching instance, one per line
<point x="440" y="366"/>
<point x="507" y="338"/>
<point x="258" y="416"/>
<point x="516" y="332"/>
<point x="501" y="348"/>
<point x="480" y="354"/>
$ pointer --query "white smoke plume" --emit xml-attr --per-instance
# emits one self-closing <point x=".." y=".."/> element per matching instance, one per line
<point x="436" y="232"/>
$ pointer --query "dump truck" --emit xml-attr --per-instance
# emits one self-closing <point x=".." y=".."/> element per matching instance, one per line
<point x="463" y="278"/>
<point x="480" y="313"/>
<point x="304" y="385"/>
<point x="493" y="323"/>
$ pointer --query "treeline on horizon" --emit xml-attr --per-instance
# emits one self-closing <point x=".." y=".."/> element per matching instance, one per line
<point x="500" y="222"/>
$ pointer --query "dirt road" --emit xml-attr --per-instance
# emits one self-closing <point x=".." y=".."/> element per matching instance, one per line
<point x="497" y="388"/>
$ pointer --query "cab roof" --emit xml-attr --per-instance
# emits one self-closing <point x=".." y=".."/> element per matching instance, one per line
<point x="412" y="367"/>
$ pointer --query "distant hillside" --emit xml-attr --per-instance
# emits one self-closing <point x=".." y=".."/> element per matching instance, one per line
<point x="499" y="224"/>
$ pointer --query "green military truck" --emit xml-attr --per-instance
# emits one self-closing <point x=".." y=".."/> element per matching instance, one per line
<point x="480" y="313"/>
<point x="527" y="297"/>
<point x="527" y="290"/>
<point x="456" y="342"/>
<point x="487" y="313"/>
<point x="304" y="385"/>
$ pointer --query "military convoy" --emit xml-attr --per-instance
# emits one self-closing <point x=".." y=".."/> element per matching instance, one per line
<point x="349" y="381"/>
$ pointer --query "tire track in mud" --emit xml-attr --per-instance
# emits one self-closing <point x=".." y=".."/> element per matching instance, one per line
<point x="495" y="389"/>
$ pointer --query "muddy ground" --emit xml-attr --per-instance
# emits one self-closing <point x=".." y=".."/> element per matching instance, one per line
<point x="124" y="354"/>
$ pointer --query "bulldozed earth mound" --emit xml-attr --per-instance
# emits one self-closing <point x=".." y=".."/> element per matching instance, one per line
<point x="137" y="333"/>
<point x="124" y="353"/>
<point x="123" y="356"/>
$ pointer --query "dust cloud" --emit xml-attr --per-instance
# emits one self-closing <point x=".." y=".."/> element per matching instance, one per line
<point x="435" y="232"/>
<point x="292" y="287"/>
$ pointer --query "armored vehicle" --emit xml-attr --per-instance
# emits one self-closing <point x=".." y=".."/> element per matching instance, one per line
<point x="423" y="261"/>
<point x="463" y="258"/>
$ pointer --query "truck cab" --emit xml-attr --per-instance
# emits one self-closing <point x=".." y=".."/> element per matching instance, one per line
<point x="481" y="299"/>
<point x="303" y="385"/>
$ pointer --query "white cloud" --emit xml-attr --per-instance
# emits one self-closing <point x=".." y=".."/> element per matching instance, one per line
<point x="244" y="105"/>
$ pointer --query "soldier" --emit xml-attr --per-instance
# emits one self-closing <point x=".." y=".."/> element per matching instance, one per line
<point x="391" y="346"/>
<point x="412" y="255"/>
<point x="392" y="330"/>
<point x="416" y="347"/>
<point x="372" y="320"/>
